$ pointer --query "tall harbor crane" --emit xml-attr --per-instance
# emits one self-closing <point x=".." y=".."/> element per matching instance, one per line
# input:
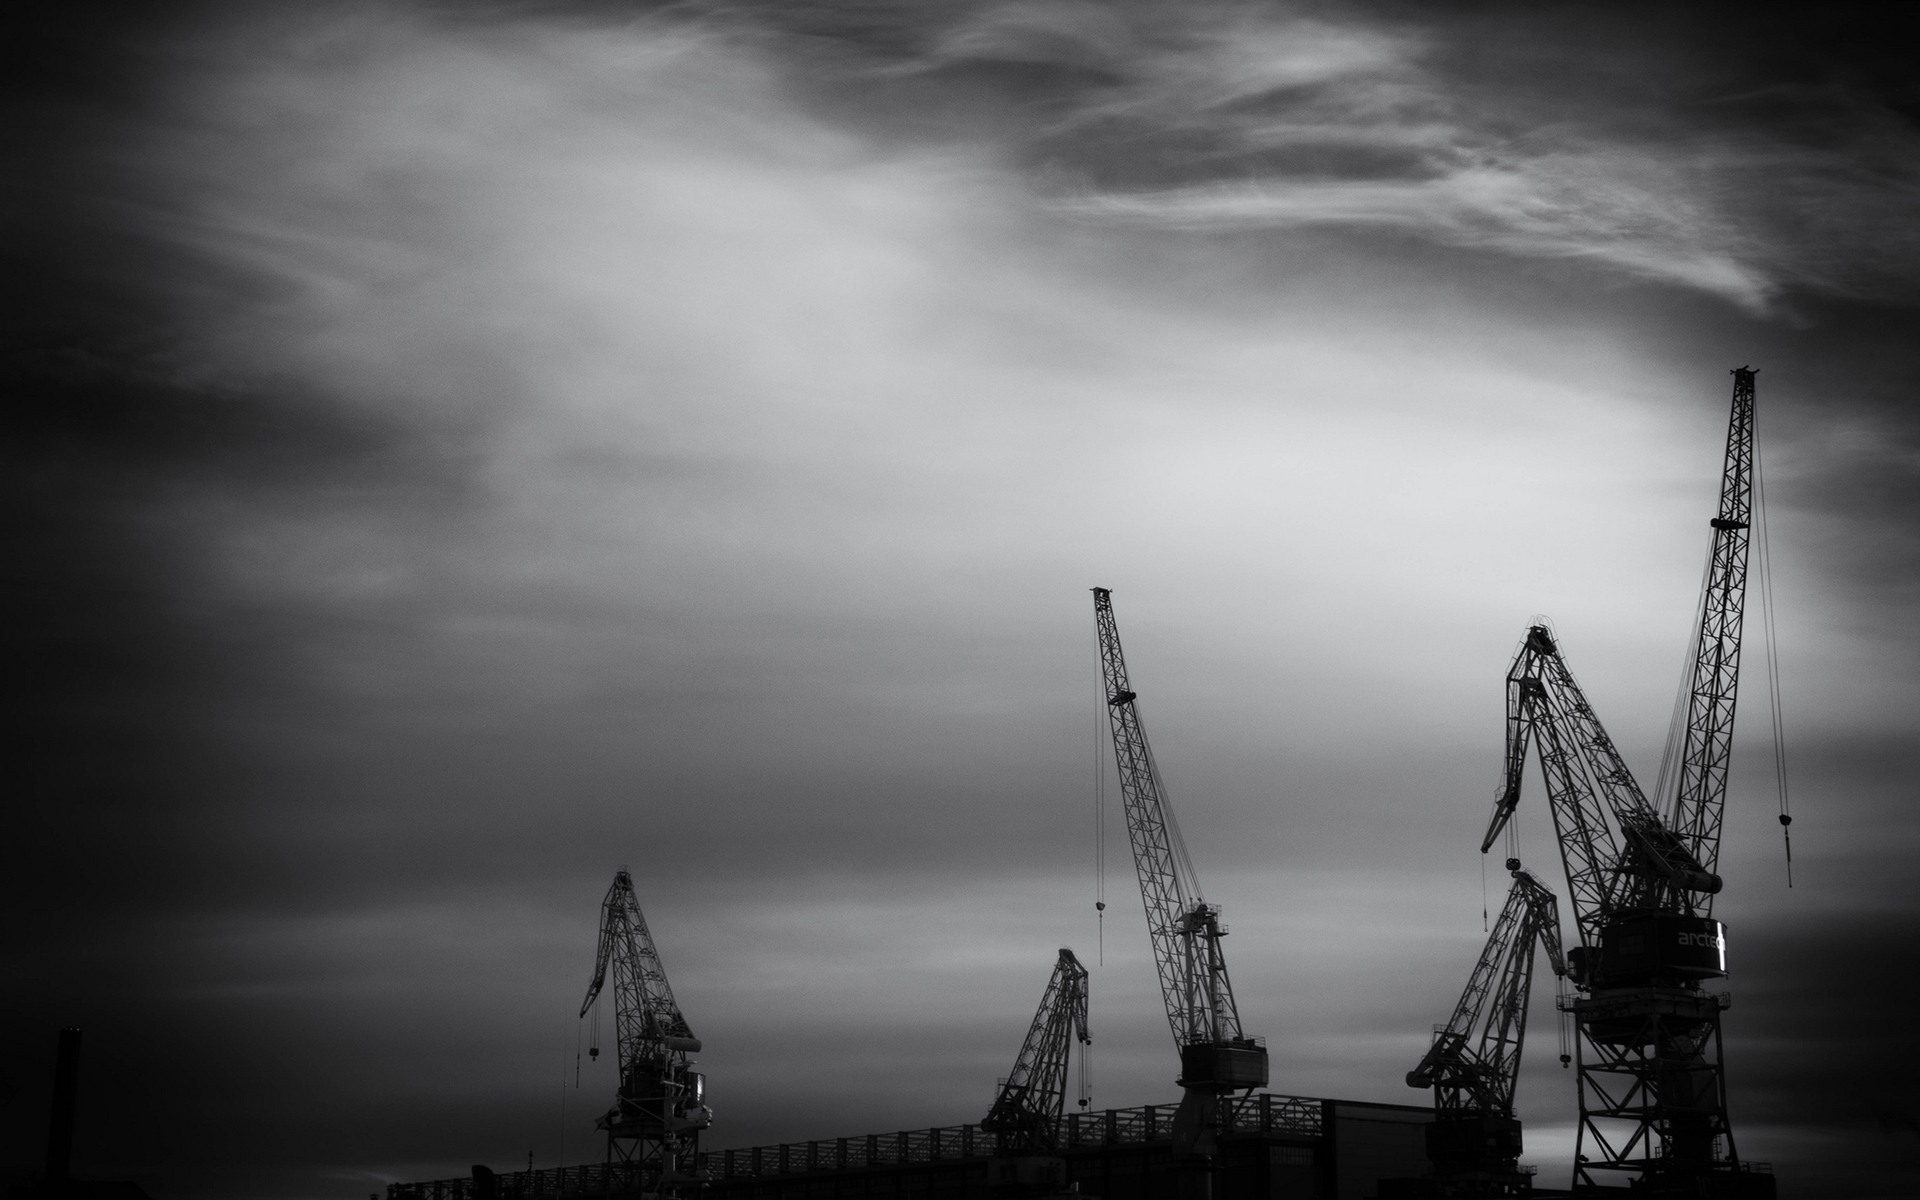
<point x="1652" y="1091"/>
<point x="1473" y="1065"/>
<point x="1025" y="1117"/>
<point x="1215" y="1056"/>
<point x="653" y="1128"/>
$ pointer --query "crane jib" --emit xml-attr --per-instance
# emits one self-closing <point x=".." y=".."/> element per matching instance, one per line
<point x="1185" y="931"/>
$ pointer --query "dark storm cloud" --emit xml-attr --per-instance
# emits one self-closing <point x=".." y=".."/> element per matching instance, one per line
<point x="455" y="454"/>
<point x="1744" y="162"/>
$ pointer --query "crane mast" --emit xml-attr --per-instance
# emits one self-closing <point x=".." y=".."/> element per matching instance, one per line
<point x="654" y="1125"/>
<point x="1700" y="799"/>
<point x="1473" y="1064"/>
<point x="1652" y="1089"/>
<point x="1025" y="1117"/>
<point x="1216" y="1057"/>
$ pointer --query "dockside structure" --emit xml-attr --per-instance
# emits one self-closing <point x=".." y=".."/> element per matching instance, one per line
<point x="1273" y="1148"/>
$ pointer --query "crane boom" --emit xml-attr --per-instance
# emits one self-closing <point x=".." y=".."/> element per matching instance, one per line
<point x="1183" y="928"/>
<point x="1473" y="1064"/>
<point x="660" y="1107"/>
<point x="1587" y="845"/>
<point x="1480" y="1073"/>
<point x="1025" y="1117"/>
<point x="644" y="1007"/>
<point x="1591" y="793"/>
<point x="1700" y="801"/>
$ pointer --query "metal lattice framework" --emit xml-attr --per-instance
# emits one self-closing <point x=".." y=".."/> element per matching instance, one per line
<point x="1651" y="1085"/>
<point x="1185" y="931"/>
<point x="1474" y="1062"/>
<point x="658" y="1113"/>
<point x="1025" y="1117"/>
<point x="1588" y="848"/>
<point x="1700" y="802"/>
<point x="1592" y="795"/>
<point x="1652" y="1091"/>
<point x="1183" y="928"/>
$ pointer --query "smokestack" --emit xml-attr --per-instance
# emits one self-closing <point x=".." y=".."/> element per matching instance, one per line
<point x="66" y="1083"/>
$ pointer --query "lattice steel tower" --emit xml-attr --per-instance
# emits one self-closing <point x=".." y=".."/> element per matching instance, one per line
<point x="1652" y="1091"/>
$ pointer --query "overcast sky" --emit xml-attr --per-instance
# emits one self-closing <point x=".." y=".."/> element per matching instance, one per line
<point x="456" y="451"/>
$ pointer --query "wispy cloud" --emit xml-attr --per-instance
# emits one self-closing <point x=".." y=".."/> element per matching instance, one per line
<point x="1537" y="209"/>
<point x="1230" y="117"/>
<point x="579" y="441"/>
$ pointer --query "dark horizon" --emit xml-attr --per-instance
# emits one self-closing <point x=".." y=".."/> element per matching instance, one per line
<point x="456" y="453"/>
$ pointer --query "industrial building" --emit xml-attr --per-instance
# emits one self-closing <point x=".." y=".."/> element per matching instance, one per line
<point x="1272" y="1148"/>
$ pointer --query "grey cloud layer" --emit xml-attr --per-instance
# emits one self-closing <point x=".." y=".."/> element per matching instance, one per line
<point x="1674" y="156"/>
<point x="521" y="446"/>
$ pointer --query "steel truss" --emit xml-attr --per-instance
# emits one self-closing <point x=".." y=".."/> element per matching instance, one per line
<point x="1473" y="1065"/>
<point x="1652" y="1092"/>
<point x="1216" y="1057"/>
<point x="1025" y="1117"/>
<point x="1653" y="1096"/>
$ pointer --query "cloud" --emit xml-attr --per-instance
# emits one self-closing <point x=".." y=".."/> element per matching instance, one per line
<point x="1539" y="209"/>
<point x="545" y="443"/>
<point x="1229" y="117"/>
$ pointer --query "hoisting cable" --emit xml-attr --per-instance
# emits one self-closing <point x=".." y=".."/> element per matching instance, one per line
<point x="1086" y="1074"/>
<point x="1773" y="661"/>
<point x="1100" y="828"/>
<point x="1483" y="891"/>
<point x="1564" y="1020"/>
<point x="1682" y="699"/>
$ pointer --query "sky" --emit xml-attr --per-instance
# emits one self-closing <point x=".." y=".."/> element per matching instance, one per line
<point x="455" y="451"/>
